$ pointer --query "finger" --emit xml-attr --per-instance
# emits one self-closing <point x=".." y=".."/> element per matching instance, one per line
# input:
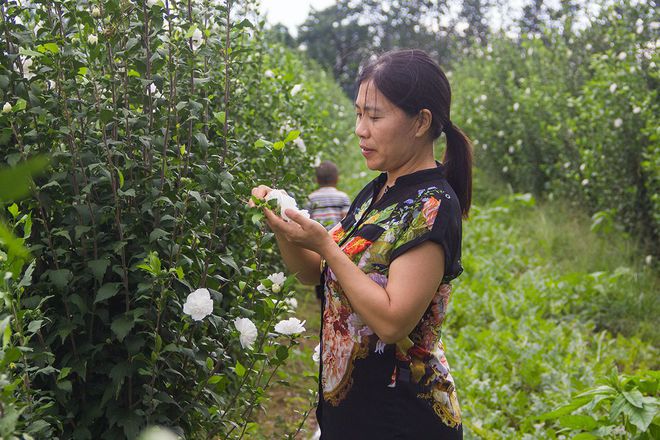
<point x="296" y="216"/>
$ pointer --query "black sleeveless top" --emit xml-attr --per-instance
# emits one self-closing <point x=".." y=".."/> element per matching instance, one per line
<point x="369" y="389"/>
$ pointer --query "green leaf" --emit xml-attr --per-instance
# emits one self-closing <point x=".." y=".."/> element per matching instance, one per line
<point x="191" y="31"/>
<point x="98" y="267"/>
<point x="121" y="178"/>
<point x="282" y="353"/>
<point x="209" y="363"/>
<point x="64" y="372"/>
<point x="106" y="291"/>
<point x="584" y="436"/>
<point x="60" y="278"/>
<point x="157" y="234"/>
<point x="15" y="182"/>
<point x="279" y="145"/>
<point x="582" y="422"/>
<point x="203" y="142"/>
<point x="220" y="117"/>
<point x="240" y="369"/>
<point x="122" y="326"/>
<point x="34" y="326"/>
<point x="48" y="47"/>
<point x="634" y="397"/>
<point x="13" y="210"/>
<point x="641" y="417"/>
<point x="215" y="379"/>
<point x="29" y="52"/>
<point x="82" y="71"/>
<point x="260" y="143"/>
<point x="292" y="136"/>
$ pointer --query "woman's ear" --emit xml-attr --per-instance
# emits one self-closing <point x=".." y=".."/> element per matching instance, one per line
<point x="424" y="120"/>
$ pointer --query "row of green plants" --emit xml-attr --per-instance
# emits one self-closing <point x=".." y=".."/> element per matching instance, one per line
<point x="137" y="287"/>
<point x="572" y="112"/>
<point x="535" y="341"/>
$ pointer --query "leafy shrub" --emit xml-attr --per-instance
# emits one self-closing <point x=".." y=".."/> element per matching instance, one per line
<point x="158" y="117"/>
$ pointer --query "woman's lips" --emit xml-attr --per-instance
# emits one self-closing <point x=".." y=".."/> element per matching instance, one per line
<point x="366" y="151"/>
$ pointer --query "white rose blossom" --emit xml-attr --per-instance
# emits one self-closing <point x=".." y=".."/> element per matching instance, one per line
<point x="296" y="89"/>
<point x="248" y="332"/>
<point x="636" y="109"/>
<point x="26" y="64"/>
<point x="618" y="122"/>
<point x="291" y="303"/>
<point x="285" y="201"/>
<point x="269" y="74"/>
<point x="291" y="326"/>
<point x="6" y="108"/>
<point x="317" y="353"/>
<point x="92" y="39"/>
<point x="613" y="87"/>
<point x="154" y="91"/>
<point x="198" y="304"/>
<point x="300" y="144"/>
<point x="196" y="39"/>
<point x="516" y="106"/>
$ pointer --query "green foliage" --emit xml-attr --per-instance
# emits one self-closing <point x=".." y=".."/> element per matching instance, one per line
<point x="621" y="407"/>
<point x="572" y="114"/>
<point x="152" y="115"/>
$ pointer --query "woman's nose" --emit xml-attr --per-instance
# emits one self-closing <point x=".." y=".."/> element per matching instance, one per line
<point x="360" y="128"/>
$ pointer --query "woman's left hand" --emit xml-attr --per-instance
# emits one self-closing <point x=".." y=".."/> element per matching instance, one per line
<point x="301" y="231"/>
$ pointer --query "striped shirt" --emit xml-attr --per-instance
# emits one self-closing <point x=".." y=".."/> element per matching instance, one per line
<point x="327" y="205"/>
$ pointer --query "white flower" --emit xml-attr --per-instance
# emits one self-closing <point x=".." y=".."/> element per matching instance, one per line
<point x="636" y="110"/>
<point x="588" y="46"/>
<point x="335" y="141"/>
<point x="505" y="169"/>
<point x="618" y="122"/>
<point x="583" y="166"/>
<point x="26" y="63"/>
<point x="362" y="174"/>
<point x="380" y="347"/>
<point x="291" y="303"/>
<point x="613" y="87"/>
<point x="648" y="260"/>
<point x="512" y="150"/>
<point x="92" y="39"/>
<point x="158" y="433"/>
<point x="198" y="304"/>
<point x="528" y="91"/>
<point x="500" y="133"/>
<point x="639" y="29"/>
<point x="317" y="353"/>
<point x="585" y="182"/>
<point x="483" y="97"/>
<point x="154" y="91"/>
<point x="298" y="142"/>
<point x="262" y="289"/>
<point x="277" y="278"/>
<point x="622" y="56"/>
<point x="567" y="164"/>
<point x="291" y="326"/>
<point x="317" y="161"/>
<point x="269" y="74"/>
<point x="296" y="89"/>
<point x="248" y="332"/>
<point x="196" y="39"/>
<point x="530" y="51"/>
<point x="284" y="201"/>
<point x="6" y="108"/>
<point x="96" y="12"/>
<point x="485" y="146"/>
<point x="654" y="25"/>
<point x="152" y="3"/>
<point x="516" y="106"/>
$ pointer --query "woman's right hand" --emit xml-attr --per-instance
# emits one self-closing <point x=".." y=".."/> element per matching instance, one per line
<point x="259" y="192"/>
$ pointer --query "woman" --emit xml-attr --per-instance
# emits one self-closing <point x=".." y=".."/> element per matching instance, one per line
<point x="386" y="267"/>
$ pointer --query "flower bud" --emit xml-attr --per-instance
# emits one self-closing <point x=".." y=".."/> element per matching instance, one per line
<point x="96" y="12"/>
<point x="92" y="39"/>
<point x="276" y="288"/>
<point x="6" y="108"/>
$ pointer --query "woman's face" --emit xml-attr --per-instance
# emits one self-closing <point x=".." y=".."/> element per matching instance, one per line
<point x="387" y="134"/>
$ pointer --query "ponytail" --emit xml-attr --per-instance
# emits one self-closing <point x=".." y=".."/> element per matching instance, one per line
<point x="458" y="164"/>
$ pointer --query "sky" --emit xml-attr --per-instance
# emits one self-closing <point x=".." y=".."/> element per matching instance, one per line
<point x="291" y="13"/>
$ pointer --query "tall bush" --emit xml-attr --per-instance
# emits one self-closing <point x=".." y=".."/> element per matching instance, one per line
<point x="159" y="117"/>
<point x="573" y="113"/>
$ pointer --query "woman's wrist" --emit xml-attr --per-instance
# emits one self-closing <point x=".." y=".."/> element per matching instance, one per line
<point x="327" y="247"/>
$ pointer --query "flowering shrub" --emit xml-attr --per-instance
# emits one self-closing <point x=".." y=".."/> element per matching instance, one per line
<point x="158" y="119"/>
<point x="573" y="114"/>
